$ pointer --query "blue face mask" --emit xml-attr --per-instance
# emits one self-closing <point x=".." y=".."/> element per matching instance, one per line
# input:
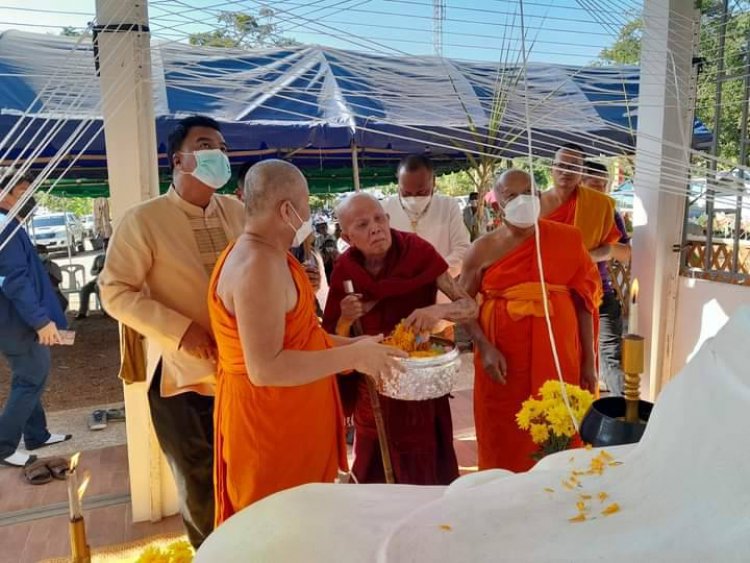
<point x="211" y="168"/>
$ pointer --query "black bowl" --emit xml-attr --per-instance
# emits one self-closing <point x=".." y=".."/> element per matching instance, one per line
<point x="603" y="424"/>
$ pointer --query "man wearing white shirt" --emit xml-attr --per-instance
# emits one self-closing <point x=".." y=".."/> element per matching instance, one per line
<point x="434" y="217"/>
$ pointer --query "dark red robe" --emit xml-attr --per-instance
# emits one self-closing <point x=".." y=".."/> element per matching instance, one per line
<point x="420" y="433"/>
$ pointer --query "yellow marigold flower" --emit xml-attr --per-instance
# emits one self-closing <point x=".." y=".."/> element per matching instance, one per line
<point x="568" y="485"/>
<point x="597" y="466"/>
<point x="606" y="456"/>
<point x="603" y="496"/>
<point x="589" y="447"/>
<point x="611" y="509"/>
<point x="523" y="418"/>
<point x="539" y="433"/>
<point x="579" y="518"/>
<point x="446" y="527"/>
<point x="549" y="490"/>
<point x="581" y="506"/>
<point x="584" y="497"/>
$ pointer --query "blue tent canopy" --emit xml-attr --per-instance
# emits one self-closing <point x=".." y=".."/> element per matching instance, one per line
<point x="312" y="104"/>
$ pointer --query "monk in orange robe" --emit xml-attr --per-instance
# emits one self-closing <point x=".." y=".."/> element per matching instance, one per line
<point x="513" y="354"/>
<point x="278" y="421"/>
<point x="571" y="203"/>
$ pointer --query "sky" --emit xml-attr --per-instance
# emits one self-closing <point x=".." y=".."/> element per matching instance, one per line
<point x="558" y="31"/>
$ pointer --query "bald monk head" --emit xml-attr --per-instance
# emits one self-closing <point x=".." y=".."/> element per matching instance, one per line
<point x="508" y="186"/>
<point x="365" y="225"/>
<point x="276" y="201"/>
<point x="567" y="168"/>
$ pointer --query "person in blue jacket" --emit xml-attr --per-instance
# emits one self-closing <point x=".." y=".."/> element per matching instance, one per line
<point x="30" y="316"/>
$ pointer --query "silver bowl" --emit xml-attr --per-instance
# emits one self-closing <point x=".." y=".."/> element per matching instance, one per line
<point x="424" y="378"/>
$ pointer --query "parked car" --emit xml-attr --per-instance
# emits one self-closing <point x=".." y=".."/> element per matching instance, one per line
<point x="57" y="231"/>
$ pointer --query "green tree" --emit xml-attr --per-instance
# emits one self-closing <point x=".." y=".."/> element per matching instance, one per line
<point x="78" y="205"/>
<point x="626" y="50"/>
<point x="243" y="30"/>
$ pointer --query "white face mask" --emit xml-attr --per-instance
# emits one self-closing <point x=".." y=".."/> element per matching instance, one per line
<point x="303" y="231"/>
<point x="416" y="204"/>
<point x="211" y="168"/>
<point x="522" y="211"/>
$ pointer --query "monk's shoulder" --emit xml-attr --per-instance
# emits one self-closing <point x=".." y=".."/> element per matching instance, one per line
<point x="485" y="251"/>
<point x="254" y="264"/>
<point x="414" y="243"/>
<point x="598" y="197"/>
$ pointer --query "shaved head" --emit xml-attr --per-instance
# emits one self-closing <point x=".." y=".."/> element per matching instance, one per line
<point x="270" y="182"/>
<point x="349" y="208"/>
<point x="511" y="183"/>
<point x="515" y="179"/>
<point x="365" y="224"/>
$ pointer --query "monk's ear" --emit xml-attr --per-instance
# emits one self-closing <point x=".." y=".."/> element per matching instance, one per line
<point x="346" y="238"/>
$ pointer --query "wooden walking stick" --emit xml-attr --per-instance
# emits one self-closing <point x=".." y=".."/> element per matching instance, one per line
<point x="377" y="411"/>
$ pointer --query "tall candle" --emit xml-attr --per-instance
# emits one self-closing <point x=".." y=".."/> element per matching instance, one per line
<point x="73" y="498"/>
<point x="633" y="312"/>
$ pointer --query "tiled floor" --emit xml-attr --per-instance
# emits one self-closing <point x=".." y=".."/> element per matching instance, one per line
<point x="47" y="536"/>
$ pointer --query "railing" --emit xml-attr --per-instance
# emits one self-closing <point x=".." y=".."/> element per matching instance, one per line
<point x="718" y="265"/>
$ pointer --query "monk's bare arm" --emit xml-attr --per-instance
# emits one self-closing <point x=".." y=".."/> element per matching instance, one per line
<point x="475" y="263"/>
<point x="621" y="252"/>
<point x="462" y="308"/>
<point x="471" y="280"/>
<point x="586" y="336"/>
<point x="601" y="253"/>
<point x="260" y="307"/>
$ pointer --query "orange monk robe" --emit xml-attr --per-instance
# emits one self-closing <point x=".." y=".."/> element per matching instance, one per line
<point x="512" y="318"/>
<point x="267" y="439"/>
<point x="593" y="213"/>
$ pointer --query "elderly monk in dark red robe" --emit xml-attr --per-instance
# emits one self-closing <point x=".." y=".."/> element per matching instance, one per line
<point x="396" y="277"/>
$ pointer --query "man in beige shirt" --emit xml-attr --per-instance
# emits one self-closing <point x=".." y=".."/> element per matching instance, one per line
<point x="155" y="280"/>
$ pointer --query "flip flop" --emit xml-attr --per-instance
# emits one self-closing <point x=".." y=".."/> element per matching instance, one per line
<point x="32" y="459"/>
<point x="58" y="467"/>
<point x="37" y="473"/>
<point x="63" y="438"/>
<point x="116" y="415"/>
<point x="97" y="420"/>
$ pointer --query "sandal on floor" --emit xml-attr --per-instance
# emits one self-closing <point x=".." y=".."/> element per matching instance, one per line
<point x="37" y="473"/>
<point x="116" y="415"/>
<point x="97" y="420"/>
<point x="58" y="467"/>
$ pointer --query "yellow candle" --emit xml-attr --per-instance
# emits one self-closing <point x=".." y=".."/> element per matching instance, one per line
<point x="633" y="311"/>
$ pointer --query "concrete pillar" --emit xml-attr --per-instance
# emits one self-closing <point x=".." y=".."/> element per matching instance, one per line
<point x="662" y="160"/>
<point x="124" y="57"/>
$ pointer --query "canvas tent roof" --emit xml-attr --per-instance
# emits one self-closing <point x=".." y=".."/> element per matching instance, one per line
<point x="311" y="104"/>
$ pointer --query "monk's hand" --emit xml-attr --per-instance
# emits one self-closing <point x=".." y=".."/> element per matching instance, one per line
<point x="589" y="378"/>
<point x="198" y="342"/>
<point x="313" y="274"/>
<point x="352" y="307"/>
<point x="493" y="362"/>
<point x="424" y="321"/>
<point x="375" y="359"/>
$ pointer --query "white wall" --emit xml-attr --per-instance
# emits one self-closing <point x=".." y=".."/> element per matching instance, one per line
<point x="702" y="309"/>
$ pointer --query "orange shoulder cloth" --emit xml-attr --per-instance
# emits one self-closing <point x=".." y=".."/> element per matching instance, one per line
<point x="594" y="217"/>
